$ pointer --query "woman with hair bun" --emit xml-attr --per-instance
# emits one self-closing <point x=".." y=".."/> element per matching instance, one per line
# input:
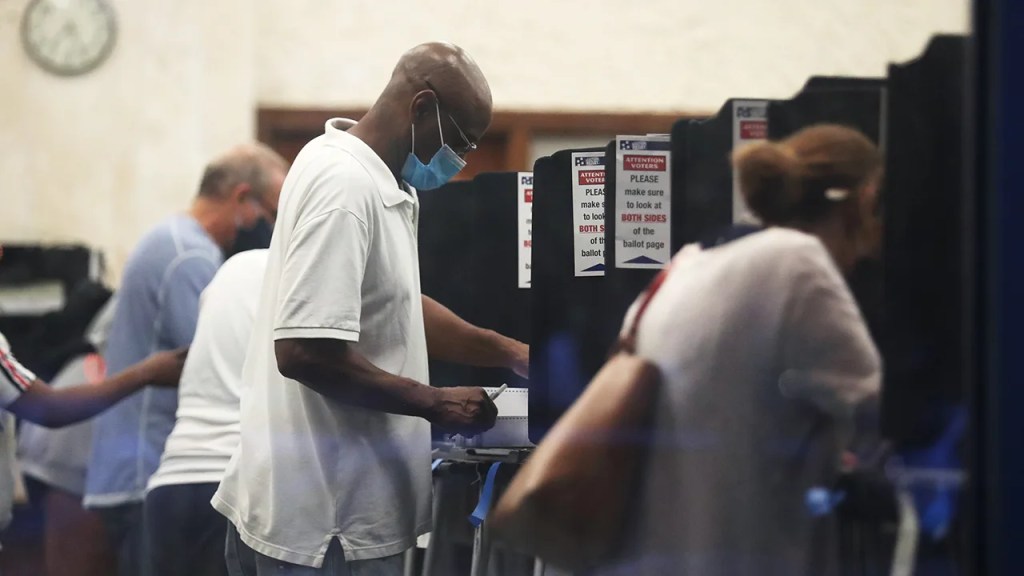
<point x="764" y="356"/>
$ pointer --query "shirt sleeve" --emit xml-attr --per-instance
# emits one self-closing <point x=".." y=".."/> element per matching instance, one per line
<point x="15" y="379"/>
<point x="180" y="294"/>
<point x="829" y="358"/>
<point x="320" y="290"/>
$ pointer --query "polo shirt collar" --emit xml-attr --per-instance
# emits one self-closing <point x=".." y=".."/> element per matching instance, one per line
<point x="387" y="188"/>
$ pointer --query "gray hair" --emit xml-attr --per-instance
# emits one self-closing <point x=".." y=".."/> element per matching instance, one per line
<point x="254" y="164"/>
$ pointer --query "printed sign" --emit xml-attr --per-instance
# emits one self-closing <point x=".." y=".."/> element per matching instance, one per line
<point x="525" y="227"/>
<point x="643" y="202"/>
<point x="588" y="212"/>
<point x="749" y="124"/>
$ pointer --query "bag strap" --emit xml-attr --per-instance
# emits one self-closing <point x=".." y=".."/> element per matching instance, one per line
<point x="627" y="343"/>
<point x="652" y="289"/>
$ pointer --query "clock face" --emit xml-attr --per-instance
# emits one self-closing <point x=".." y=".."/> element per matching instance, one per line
<point x="68" y="37"/>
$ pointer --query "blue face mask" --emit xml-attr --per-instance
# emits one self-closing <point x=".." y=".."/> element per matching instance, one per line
<point x="443" y="166"/>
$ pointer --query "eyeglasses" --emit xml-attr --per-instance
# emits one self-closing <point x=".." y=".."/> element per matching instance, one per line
<point x="470" y="146"/>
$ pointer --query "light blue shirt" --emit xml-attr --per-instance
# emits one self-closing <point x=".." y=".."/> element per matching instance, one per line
<point x="157" y="309"/>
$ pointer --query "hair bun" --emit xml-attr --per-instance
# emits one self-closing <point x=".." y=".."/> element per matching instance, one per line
<point x="769" y="180"/>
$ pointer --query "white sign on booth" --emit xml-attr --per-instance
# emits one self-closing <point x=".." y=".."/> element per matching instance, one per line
<point x="525" y="203"/>
<point x="749" y="124"/>
<point x="588" y="212"/>
<point x="643" y="202"/>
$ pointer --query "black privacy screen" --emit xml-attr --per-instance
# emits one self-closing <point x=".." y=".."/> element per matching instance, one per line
<point x="447" y="249"/>
<point x="468" y="262"/>
<point x="499" y="303"/>
<point x="567" y="344"/>
<point x="927" y="214"/>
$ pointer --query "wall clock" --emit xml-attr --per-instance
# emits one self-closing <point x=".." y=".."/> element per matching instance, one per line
<point x="68" y="37"/>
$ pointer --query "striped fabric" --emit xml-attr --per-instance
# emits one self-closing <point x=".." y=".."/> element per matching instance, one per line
<point x="14" y="378"/>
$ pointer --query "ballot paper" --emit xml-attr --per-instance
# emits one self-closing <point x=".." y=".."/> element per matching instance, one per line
<point x="588" y="212"/>
<point x="643" y="201"/>
<point x="525" y="203"/>
<point x="749" y="124"/>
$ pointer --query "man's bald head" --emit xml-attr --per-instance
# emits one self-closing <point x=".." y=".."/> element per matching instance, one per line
<point x="455" y="79"/>
<point x="437" y="94"/>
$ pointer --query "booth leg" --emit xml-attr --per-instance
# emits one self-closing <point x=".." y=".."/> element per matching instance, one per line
<point x="430" y="556"/>
<point x="907" y="536"/>
<point x="481" y="551"/>
<point x="409" y="568"/>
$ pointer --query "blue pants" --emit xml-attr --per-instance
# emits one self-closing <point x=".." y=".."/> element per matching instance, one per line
<point x="125" y="528"/>
<point x="184" y="534"/>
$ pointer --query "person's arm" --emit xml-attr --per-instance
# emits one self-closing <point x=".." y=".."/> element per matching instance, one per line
<point x="452" y="339"/>
<point x="43" y="405"/>
<point x="318" y="317"/>
<point x="333" y="369"/>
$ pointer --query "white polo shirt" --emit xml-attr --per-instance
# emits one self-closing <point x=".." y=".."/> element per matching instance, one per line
<point x="206" y="432"/>
<point x="343" y="264"/>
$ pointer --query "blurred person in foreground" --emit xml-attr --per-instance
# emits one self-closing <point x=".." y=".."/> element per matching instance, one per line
<point x="332" y="473"/>
<point x="22" y="395"/>
<point x="764" y="356"/>
<point x="53" y="463"/>
<point x="157" y="306"/>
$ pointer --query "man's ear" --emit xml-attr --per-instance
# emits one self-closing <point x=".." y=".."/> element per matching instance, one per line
<point x="241" y="192"/>
<point x="421" y="105"/>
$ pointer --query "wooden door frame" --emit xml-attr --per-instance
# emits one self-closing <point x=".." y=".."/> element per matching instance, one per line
<point x="520" y="128"/>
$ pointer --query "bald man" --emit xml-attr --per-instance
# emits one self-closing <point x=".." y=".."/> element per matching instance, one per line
<point x="157" y="308"/>
<point x="332" y="474"/>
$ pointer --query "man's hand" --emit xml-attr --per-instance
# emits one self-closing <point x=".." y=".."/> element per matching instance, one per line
<point x="464" y="410"/>
<point x="164" y="368"/>
<point x="520" y="360"/>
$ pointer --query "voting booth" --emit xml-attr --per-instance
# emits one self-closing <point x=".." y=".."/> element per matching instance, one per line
<point x="927" y="267"/>
<point x="46" y="294"/>
<point x="470" y="239"/>
<point x="474" y="246"/>
<point x="568" y="274"/>
<point x="555" y="257"/>
<point x="446" y="250"/>
<point x="501" y="266"/>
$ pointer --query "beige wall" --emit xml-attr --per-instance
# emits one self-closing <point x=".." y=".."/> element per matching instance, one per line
<point x="101" y="158"/>
<point x="655" y="55"/>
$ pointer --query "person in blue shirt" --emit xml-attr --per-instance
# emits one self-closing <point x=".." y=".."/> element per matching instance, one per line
<point x="157" y="309"/>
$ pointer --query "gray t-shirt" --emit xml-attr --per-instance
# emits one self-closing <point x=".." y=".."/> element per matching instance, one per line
<point x="157" y="308"/>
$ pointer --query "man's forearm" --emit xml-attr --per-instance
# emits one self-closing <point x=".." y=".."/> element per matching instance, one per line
<point x="333" y="369"/>
<point x="452" y="339"/>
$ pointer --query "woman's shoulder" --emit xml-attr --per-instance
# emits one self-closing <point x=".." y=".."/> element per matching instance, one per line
<point x="777" y="247"/>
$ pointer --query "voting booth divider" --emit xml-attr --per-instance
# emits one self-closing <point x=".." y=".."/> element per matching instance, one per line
<point x="447" y="245"/>
<point x="471" y="245"/>
<point x="469" y="261"/>
<point x="568" y="266"/>
<point x="928" y="235"/>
